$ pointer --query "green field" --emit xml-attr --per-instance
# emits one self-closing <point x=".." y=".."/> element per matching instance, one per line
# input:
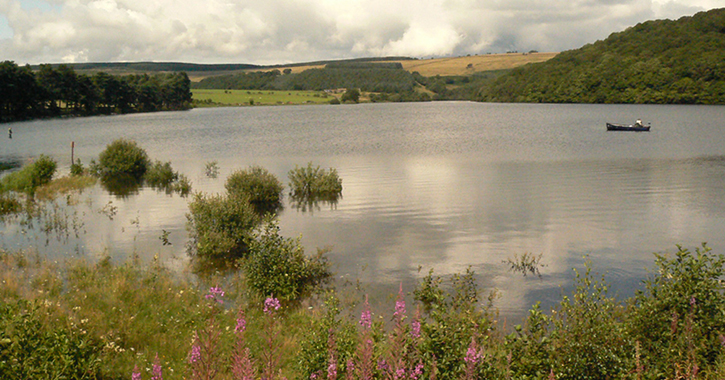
<point x="257" y="97"/>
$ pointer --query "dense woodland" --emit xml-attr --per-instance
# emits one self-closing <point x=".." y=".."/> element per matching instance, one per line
<point x="59" y="91"/>
<point x="664" y="62"/>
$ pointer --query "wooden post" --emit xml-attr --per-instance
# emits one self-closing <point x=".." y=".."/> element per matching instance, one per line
<point x="72" y="152"/>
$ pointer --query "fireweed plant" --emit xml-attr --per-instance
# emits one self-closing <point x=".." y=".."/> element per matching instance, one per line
<point x="111" y="322"/>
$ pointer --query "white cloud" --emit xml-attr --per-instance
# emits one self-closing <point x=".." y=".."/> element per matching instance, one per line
<point x="278" y="31"/>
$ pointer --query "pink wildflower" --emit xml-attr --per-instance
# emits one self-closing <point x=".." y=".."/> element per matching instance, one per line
<point x="270" y="305"/>
<point x="156" y="369"/>
<point x="400" y="303"/>
<point x="215" y="293"/>
<point x="195" y="354"/>
<point x="241" y="323"/>
<point x="135" y="375"/>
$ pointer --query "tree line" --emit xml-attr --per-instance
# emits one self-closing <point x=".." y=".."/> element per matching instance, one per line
<point x="663" y="62"/>
<point x="59" y="91"/>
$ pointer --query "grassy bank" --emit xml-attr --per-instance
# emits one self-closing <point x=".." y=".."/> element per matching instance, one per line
<point x="253" y="97"/>
<point x="105" y="321"/>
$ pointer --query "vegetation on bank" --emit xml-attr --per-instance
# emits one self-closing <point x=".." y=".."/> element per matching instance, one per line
<point x="663" y="62"/>
<point x="60" y="91"/>
<point x="104" y="321"/>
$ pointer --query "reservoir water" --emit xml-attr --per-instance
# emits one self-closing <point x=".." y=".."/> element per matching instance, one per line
<point x="441" y="185"/>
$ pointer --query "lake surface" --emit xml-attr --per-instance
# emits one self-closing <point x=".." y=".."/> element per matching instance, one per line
<point x="442" y="186"/>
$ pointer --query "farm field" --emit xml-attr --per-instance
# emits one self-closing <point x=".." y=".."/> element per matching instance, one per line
<point x="256" y="97"/>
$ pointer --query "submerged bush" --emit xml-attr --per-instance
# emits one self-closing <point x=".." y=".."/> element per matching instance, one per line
<point x="278" y="266"/>
<point x="122" y="158"/>
<point x="262" y="187"/>
<point x="311" y="184"/>
<point x="30" y="177"/>
<point x="219" y="226"/>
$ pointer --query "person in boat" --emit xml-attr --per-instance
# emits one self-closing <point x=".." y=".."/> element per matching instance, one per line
<point x="638" y="123"/>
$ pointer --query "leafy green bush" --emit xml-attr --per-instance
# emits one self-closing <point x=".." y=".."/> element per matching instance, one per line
<point x="122" y="157"/>
<point x="262" y="187"/>
<point x="30" y="350"/>
<point x="454" y="319"/>
<point x="32" y="176"/>
<point x="160" y="175"/>
<point x="76" y="168"/>
<point x="679" y="318"/>
<point x="313" y="182"/>
<point x="590" y="340"/>
<point x="219" y="226"/>
<point x="277" y="266"/>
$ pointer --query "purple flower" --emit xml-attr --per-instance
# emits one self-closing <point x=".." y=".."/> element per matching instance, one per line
<point x="195" y="354"/>
<point x="135" y="375"/>
<point x="415" y="329"/>
<point x="400" y="303"/>
<point x="270" y="305"/>
<point x="241" y="323"/>
<point x="400" y="373"/>
<point x="156" y="369"/>
<point x="383" y="365"/>
<point x="215" y="293"/>
<point x="472" y="355"/>
<point x="332" y="371"/>
<point x="693" y="301"/>
<point x="417" y="371"/>
<point x="366" y="319"/>
<point x="313" y="376"/>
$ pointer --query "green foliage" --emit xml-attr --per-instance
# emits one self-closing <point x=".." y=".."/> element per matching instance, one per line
<point x="351" y="95"/>
<point x="219" y="227"/>
<point x="314" y="183"/>
<point x="30" y="177"/>
<point x="653" y="62"/>
<point x="330" y="332"/>
<point x="530" y="346"/>
<point x="31" y="350"/>
<point x="262" y="188"/>
<point x="454" y="319"/>
<point x="679" y="318"/>
<point x="9" y="205"/>
<point x="122" y="158"/>
<point x="162" y="176"/>
<point x="277" y="266"/>
<point x="59" y="90"/>
<point x="590" y="341"/>
<point x="76" y="168"/>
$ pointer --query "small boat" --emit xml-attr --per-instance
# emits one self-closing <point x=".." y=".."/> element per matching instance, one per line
<point x="632" y="128"/>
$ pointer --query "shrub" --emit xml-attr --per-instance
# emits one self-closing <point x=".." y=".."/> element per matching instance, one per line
<point x="263" y="188"/>
<point x="30" y="350"/>
<point x="160" y="175"/>
<point x="590" y="340"/>
<point x="278" y="266"/>
<point x="314" y="183"/>
<point x="76" y="168"/>
<point x="32" y="176"/>
<point x="454" y="321"/>
<point x="219" y="226"/>
<point x="679" y="318"/>
<point x="9" y="205"/>
<point x="122" y="157"/>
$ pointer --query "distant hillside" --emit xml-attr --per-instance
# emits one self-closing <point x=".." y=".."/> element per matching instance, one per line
<point x="660" y="61"/>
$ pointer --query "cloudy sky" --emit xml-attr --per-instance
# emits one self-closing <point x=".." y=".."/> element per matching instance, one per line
<point x="285" y="31"/>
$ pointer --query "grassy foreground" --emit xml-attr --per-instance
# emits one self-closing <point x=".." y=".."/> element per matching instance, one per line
<point x="82" y="320"/>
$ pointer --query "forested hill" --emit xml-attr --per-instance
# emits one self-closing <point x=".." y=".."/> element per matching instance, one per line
<point x="659" y="61"/>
